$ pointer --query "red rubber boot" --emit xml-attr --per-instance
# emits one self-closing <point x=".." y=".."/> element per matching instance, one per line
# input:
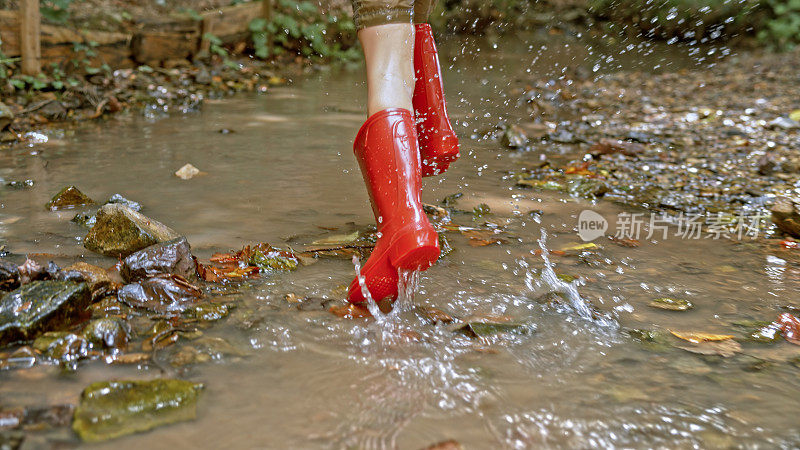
<point x="438" y="144"/>
<point x="386" y="149"/>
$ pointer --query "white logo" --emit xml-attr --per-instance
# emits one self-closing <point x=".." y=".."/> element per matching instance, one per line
<point x="591" y="225"/>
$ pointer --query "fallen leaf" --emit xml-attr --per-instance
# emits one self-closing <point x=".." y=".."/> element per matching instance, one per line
<point x="350" y="311"/>
<point x="624" y="242"/>
<point x="187" y="171"/>
<point x="725" y="348"/>
<point x="697" y="338"/>
<point x="339" y="239"/>
<point x="609" y="146"/>
<point x="580" y="169"/>
<point x="790" y="327"/>
<point x="671" y="304"/>
<point x="581" y="247"/>
<point x="795" y="115"/>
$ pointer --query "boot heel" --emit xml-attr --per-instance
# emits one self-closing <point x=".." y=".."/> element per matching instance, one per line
<point x="415" y="250"/>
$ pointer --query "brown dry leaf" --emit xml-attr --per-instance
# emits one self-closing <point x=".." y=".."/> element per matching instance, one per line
<point x="350" y="311"/>
<point x="608" y="146"/>
<point x="435" y="315"/>
<point x="624" y="242"/>
<point x="482" y="238"/>
<point x="293" y="298"/>
<point x="790" y="327"/>
<point x="697" y="338"/>
<point x="726" y="348"/>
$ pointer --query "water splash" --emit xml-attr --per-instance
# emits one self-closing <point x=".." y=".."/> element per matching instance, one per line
<point x="407" y="285"/>
<point x="548" y="282"/>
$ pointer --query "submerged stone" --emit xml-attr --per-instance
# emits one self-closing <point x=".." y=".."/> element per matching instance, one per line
<point x="119" y="199"/>
<point x="62" y="346"/>
<point x="484" y="329"/>
<point x="108" y="332"/>
<point x="171" y="257"/>
<point x="120" y="231"/>
<point x="69" y="197"/>
<point x="111" y="409"/>
<point x="41" y="306"/>
<point x="207" y="312"/>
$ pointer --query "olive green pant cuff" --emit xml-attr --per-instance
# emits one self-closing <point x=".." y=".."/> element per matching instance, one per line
<point x="383" y="16"/>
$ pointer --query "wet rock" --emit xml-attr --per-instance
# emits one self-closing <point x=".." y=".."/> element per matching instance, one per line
<point x="120" y="231"/>
<point x="564" y="137"/>
<point x="161" y="294"/>
<point x="21" y="358"/>
<point x="69" y="197"/>
<point x="111" y="409"/>
<point x="6" y="116"/>
<point x="119" y="199"/>
<point x="784" y="123"/>
<point x="513" y="137"/>
<point x="187" y="172"/>
<point x="62" y="346"/>
<point x="110" y="333"/>
<point x="85" y="219"/>
<point x="9" y="276"/>
<point x="766" y="164"/>
<point x="485" y="329"/>
<point x="96" y="277"/>
<point x="786" y="216"/>
<point x="41" y="306"/>
<point x="171" y="257"/>
<point x="207" y="312"/>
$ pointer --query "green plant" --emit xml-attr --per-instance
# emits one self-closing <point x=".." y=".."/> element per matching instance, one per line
<point x="55" y="10"/>
<point x="300" y="27"/>
<point x="782" y="28"/>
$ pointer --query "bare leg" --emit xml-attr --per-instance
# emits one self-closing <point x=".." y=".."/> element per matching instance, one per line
<point x="389" y="54"/>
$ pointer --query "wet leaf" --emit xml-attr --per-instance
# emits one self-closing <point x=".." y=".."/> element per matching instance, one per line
<point x="609" y="146"/>
<point x="624" y="242"/>
<point x="350" y="311"/>
<point x="581" y="247"/>
<point x="547" y="185"/>
<point x="790" y="327"/>
<point x="671" y="304"/>
<point x="339" y="239"/>
<point x="162" y="293"/>
<point x="30" y="270"/>
<point x="696" y="337"/>
<point x="482" y="238"/>
<point x="481" y="210"/>
<point x="725" y="348"/>
<point x="436" y="316"/>
<point x="795" y="115"/>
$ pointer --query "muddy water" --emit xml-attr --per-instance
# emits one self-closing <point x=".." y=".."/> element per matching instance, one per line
<point x="310" y="379"/>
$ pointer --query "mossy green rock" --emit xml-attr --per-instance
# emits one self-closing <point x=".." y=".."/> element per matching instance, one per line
<point x="69" y="197"/>
<point x="120" y="231"/>
<point x="110" y="409"/>
<point x="41" y="306"/>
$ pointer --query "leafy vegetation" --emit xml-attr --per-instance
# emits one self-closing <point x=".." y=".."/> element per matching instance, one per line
<point x="300" y="27"/>
<point x="776" y="23"/>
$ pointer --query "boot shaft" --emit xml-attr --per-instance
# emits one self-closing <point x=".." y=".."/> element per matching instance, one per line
<point x="387" y="152"/>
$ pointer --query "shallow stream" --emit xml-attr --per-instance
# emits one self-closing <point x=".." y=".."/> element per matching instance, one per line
<point x="309" y="379"/>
